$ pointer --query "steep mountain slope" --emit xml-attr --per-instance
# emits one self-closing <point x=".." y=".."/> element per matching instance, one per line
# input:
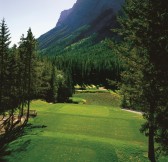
<point x="85" y="11"/>
<point x="85" y="18"/>
<point x="78" y="43"/>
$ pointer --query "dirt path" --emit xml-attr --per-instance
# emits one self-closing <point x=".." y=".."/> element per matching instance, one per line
<point x="136" y="112"/>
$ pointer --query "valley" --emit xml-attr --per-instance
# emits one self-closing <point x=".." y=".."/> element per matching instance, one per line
<point x="92" y="88"/>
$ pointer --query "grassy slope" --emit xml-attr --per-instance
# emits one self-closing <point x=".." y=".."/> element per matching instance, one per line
<point x="104" y="99"/>
<point x="80" y="133"/>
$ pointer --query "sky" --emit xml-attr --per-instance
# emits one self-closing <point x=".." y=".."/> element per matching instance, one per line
<point x="40" y="15"/>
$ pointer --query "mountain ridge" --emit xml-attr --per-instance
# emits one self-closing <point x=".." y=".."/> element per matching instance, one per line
<point x="64" y="14"/>
<point x="99" y="17"/>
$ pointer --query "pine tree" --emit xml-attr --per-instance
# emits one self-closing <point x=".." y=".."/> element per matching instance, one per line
<point x="30" y="51"/>
<point x="22" y="75"/>
<point x="13" y="83"/>
<point x="4" y="58"/>
<point x="44" y="78"/>
<point x="65" y="86"/>
<point x="144" y="28"/>
<point x="27" y="70"/>
<point x="53" y="90"/>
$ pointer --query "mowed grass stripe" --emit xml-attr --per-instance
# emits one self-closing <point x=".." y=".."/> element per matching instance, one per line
<point x="80" y="119"/>
<point x="98" y="111"/>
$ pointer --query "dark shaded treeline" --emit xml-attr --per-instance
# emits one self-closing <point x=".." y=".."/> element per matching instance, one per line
<point x="90" y="63"/>
<point x="25" y="76"/>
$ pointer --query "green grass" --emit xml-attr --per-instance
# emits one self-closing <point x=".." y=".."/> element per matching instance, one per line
<point x="80" y="133"/>
<point x="77" y="100"/>
<point x="104" y="99"/>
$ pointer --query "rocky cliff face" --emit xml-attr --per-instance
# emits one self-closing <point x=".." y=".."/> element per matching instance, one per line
<point x="63" y="16"/>
<point x="86" y="11"/>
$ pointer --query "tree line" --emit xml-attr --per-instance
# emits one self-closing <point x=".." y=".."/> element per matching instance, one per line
<point x="90" y="63"/>
<point x="25" y="76"/>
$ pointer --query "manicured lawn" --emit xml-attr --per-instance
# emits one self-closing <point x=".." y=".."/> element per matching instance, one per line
<point x="80" y="133"/>
<point x="103" y="99"/>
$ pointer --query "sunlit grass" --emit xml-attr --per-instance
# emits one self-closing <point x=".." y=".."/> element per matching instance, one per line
<point x="80" y="133"/>
<point x="90" y="132"/>
<point x="105" y="99"/>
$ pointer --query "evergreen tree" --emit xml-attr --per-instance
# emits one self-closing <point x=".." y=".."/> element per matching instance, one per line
<point x="145" y="30"/>
<point x="22" y="75"/>
<point x="4" y="58"/>
<point x="53" y="90"/>
<point x="27" y="70"/>
<point x="30" y="51"/>
<point x="45" y="78"/>
<point x="13" y="84"/>
<point x="65" y="86"/>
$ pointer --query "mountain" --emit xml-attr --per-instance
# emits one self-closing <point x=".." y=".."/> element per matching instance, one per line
<point x="86" y="11"/>
<point x="79" y="43"/>
<point x="63" y="16"/>
<point x="85" y="18"/>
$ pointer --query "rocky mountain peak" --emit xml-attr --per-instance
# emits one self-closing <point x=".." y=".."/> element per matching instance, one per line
<point x="98" y="16"/>
<point x="85" y="11"/>
<point x="64" y="14"/>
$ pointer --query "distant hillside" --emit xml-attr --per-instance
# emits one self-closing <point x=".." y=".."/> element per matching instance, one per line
<point x="79" y="42"/>
<point x="85" y="18"/>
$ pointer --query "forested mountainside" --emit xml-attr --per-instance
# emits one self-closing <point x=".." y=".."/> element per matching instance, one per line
<point x="85" y="18"/>
<point x="79" y="45"/>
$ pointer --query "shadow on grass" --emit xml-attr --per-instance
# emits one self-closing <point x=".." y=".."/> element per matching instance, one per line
<point x="16" y="134"/>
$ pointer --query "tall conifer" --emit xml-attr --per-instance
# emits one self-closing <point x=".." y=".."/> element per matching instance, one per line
<point x="31" y="65"/>
<point x="144" y="28"/>
<point x="4" y="58"/>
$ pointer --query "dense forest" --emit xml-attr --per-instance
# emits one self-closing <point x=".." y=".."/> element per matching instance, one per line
<point x="132" y="59"/>
<point x="90" y="63"/>
<point x="26" y="76"/>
